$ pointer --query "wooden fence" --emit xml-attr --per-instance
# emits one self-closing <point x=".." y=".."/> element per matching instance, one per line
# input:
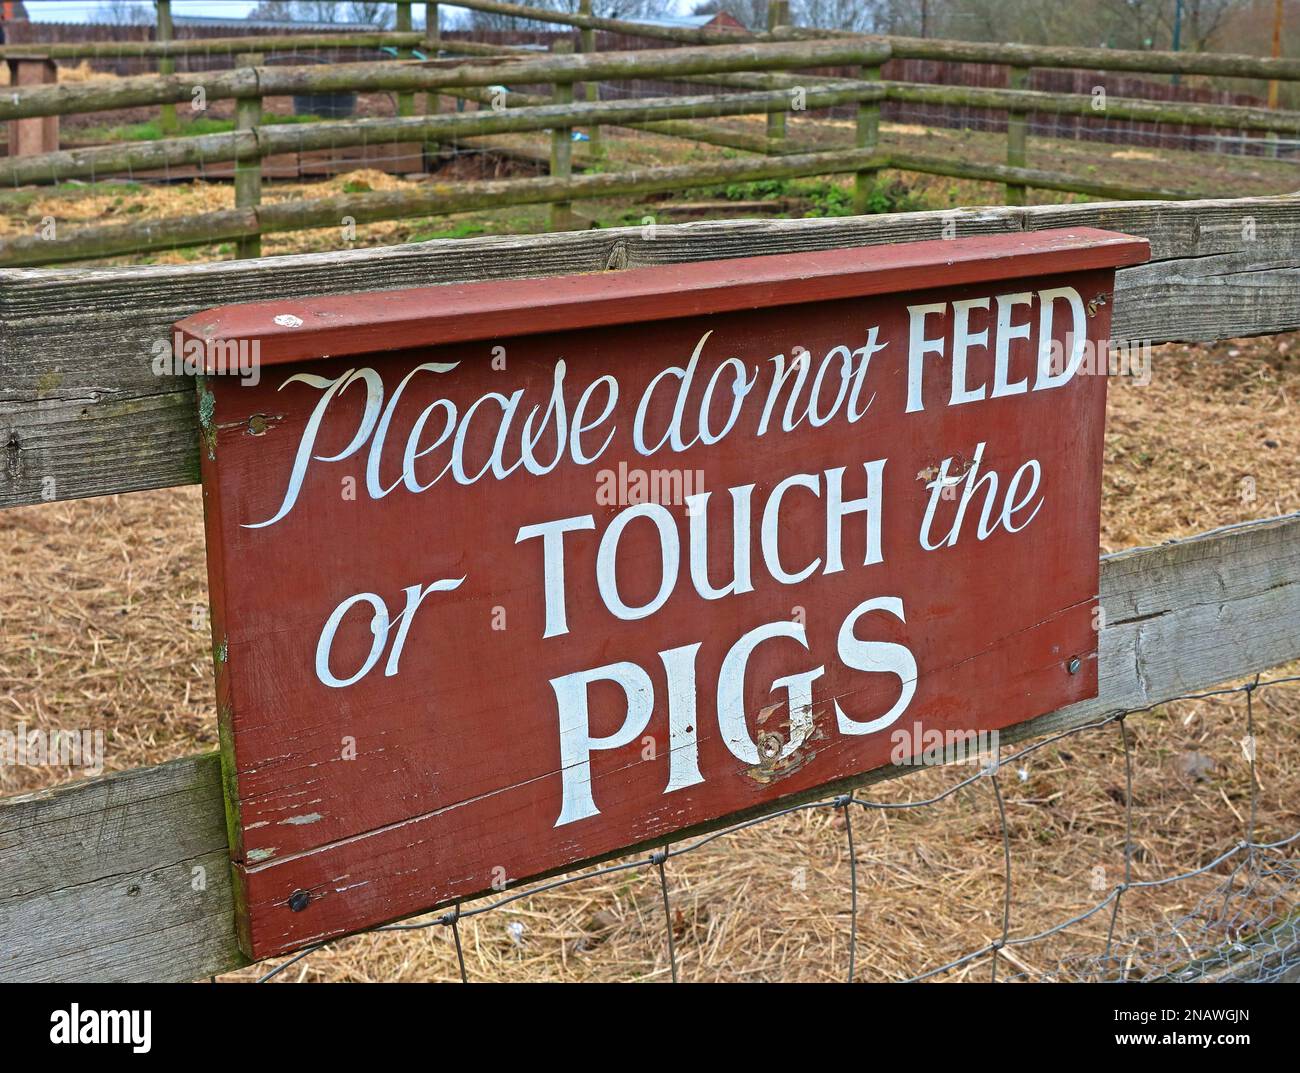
<point x="753" y="68"/>
<point x="95" y="877"/>
<point x="742" y="72"/>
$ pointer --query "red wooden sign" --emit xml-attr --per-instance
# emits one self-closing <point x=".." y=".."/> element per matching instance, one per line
<point x="507" y="576"/>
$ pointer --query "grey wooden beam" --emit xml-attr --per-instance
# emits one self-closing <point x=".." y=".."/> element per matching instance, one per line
<point x="83" y="413"/>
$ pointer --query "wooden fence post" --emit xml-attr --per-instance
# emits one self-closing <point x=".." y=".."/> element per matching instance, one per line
<point x="432" y="43"/>
<point x="406" y="100"/>
<point x="166" y="65"/>
<point x="592" y="89"/>
<point x="1017" y="136"/>
<point x="432" y="101"/>
<point x="41" y="134"/>
<point x="248" y="173"/>
<point x="778" y="14"/>
<point x="868" y="137"/>
<point x="562" y="146"/>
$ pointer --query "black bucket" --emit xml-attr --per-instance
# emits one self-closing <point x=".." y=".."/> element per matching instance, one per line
<point x="336" y="105"/>
<point x="325" y="105"/>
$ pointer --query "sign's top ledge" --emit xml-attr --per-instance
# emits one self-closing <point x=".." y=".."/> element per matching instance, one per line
<point x="300" y="329"/>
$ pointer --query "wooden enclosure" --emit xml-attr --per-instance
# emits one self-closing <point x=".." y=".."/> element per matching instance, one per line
<point x="96" y="877"/>
<point x="770" y="73"/>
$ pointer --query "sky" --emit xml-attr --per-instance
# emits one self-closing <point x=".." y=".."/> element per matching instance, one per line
<point x="84" y="10"/>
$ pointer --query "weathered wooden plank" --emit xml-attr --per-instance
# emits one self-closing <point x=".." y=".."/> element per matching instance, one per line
<point x="209" y="46"/>
<point x="1035" y="177"/>
<point x="560" y="187"/>
<point x="1220" y="297"/>
<point x="269" y="140"/>
<point x="1184" y="616"/>
<point x="83" y="413"/>
<point x="101" y="160"/>
<point x="249" y="82"/>
<point x="123" y="877"/>
<point x="1222" y="64"/>
<point x="1179" y="618"/>
<point x="411" y="318"/>
<point x="1230" y="116"/>
<point x="426" y="200"/>
<point x="1106" y="59"/>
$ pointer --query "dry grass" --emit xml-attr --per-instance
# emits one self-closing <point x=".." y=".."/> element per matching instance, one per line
<point x="68" y="72"/>
<point x="102" y="626"/>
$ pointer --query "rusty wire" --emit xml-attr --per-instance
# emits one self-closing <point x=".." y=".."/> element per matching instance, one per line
<point x="1249" y="929"/>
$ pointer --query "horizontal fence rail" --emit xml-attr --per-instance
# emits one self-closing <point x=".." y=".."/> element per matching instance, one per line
<point x="1233" y="65"/>
<point x="1220" y="64"/>
<point x="262" y="141"/>
<point x="1218" y="269"/>
<point x="1237" y="932"/>
<point x="751" y="62"/>
<point x="205" y="46"/>
<point x="1145" y="61"/>
<point x="272" y="81"/>
<point x="751" y="55"/>
<point x="110" y="896"/>
<point x="437" y="199"/>
<point x="443" y="199"/>
<point x="1231" y="116"/>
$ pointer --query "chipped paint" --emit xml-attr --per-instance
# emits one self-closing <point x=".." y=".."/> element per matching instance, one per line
<point x="773" y="770"/>
<point x="429" y="806"/>
<point x="956" y="473"/>
<point x="305" y="818"/>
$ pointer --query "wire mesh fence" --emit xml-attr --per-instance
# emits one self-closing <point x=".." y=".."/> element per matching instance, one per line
<point x="1243" y="923"/>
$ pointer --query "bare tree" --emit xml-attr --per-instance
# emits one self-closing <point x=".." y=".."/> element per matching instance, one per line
<point x="627" y="9"/>
<point x="1204" y="19"/>
<point x="318" y="10"/>
<point x="374" y="13"/>
<point x="277" y="10"/>
<point x="329" y="11"/>
<point x="1133" y="24"/>
<point x="864" y="16"/>
<point x="123" y="13"/>
<point x="1150" y="23"/>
